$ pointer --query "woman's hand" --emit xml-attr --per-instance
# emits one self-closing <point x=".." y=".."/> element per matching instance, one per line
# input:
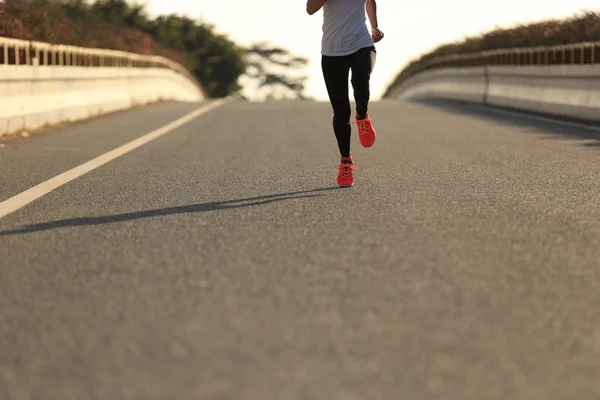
<point x="377" y="35"/>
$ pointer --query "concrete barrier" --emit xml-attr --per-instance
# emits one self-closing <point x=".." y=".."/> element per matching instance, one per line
<point x="567" y="91"/>
<point x="563" y="90"/>
<point x="32" y="97"/>
<point x="468" y="84"/>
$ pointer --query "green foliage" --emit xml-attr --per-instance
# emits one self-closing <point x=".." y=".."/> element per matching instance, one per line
<point x="214" y="59"/>
<point x="582" y="27"/>
<point x="73" y="22"/>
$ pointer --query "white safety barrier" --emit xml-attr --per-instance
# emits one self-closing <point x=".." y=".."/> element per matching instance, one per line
<point x="43" y="85"/>
<point x="562" y="80"/>
<point x="571" y="91"/>
<point x="467" y="84"/>
<point x="567" y="91"/>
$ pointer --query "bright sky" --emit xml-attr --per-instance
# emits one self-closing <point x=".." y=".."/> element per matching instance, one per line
<point x="411" y="27"/>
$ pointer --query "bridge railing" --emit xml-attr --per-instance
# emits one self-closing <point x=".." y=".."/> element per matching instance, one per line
<point x="568" y="54"/>
<point x="27" y="53"/>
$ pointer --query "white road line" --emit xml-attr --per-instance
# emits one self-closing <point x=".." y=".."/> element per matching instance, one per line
<point x="21" y="200"/>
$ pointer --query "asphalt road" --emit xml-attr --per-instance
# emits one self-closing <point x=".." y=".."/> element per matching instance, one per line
<point x="221" y="262"/>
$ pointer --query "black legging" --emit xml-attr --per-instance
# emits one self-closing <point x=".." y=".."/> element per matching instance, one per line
<point x="335" y="72"/>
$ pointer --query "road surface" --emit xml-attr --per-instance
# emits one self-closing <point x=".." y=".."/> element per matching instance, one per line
<point x="220" y="261"/>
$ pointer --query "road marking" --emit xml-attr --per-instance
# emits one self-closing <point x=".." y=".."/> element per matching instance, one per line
<point x="21" y="200"/>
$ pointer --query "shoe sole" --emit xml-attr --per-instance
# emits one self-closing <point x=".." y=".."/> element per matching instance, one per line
<point x="367" y="145"/>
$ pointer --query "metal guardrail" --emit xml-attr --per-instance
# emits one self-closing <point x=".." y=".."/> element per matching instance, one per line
<point x="570" y="54"/>
<point x="22" y="52"/>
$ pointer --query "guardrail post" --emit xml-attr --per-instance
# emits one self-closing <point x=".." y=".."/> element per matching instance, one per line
<point x="486" y="90"/>
<point x="522" y="57"/>
<point x="532" y="57"/>
<point x="27" y="54"/>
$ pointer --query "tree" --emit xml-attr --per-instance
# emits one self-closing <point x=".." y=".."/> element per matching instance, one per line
<point x="111" y="11"/>
<point x="270" y="72"/>
<point x="212" y="58"/>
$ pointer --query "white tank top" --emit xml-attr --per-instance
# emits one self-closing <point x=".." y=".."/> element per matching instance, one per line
<point x="344" y="27"/>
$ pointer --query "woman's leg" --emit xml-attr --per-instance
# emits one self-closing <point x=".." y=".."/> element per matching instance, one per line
<point x="336" y="71"/>
<point x="362" y="64"/>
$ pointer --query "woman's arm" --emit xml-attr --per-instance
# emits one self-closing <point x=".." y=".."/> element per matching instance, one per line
<point x="312" y="6"/>
<point x="372" y="14"/>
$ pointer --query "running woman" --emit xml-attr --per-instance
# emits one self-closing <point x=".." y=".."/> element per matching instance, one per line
<point x="348" y="45"/>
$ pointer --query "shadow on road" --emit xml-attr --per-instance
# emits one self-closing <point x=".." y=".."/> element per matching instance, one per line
<point x="497" y="115"/>
<point x="194" y="208"/>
